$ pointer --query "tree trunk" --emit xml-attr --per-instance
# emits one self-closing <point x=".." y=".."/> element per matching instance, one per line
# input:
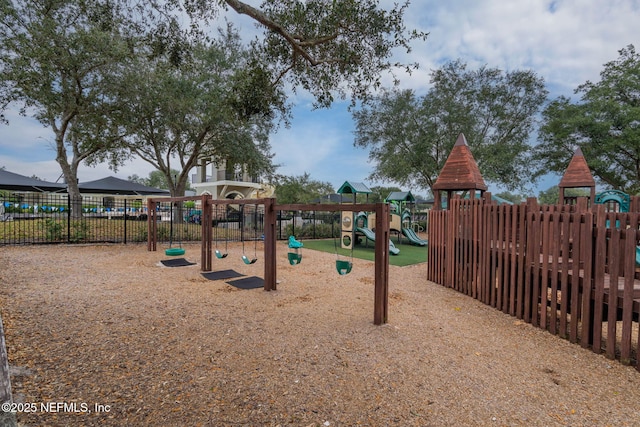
<point x="70" y="173"/>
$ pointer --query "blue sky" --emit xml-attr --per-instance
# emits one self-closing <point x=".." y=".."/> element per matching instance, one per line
<point x="564" y="41"/>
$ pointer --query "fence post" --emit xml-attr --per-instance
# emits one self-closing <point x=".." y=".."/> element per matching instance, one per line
<point x="6" y="418"/>
<point x="125" y="221"/>
<point x="68" y="218"/>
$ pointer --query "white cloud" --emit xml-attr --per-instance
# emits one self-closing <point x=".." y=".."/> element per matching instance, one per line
<point x="565" y="41"/>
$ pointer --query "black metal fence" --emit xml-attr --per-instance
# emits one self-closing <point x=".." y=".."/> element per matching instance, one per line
<point x="42" y="218"/>
<point x="34" y="218"/>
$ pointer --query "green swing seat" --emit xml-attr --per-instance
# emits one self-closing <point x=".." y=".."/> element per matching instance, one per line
<point x="343" y="267"/>
<point x="220" y="255"/>
<point x="249" y="261"/>
<point x="174" y="251"/>
<point x="294" y="258"/>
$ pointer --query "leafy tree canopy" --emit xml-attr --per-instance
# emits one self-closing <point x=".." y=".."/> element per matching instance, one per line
<point x="156" y="179"/>
<point x="328" y="48"/>
<point x="513" y="198"/>
<point x="604" y="124"/>
<point x="379" y="193"/>
<point x="551" y="195"/>
<point x="217" y="105"/>
<point x="54" y="59"/>
<point x="410" y="137"/>
<point x="300" y="189"/>
<point x="61" y="61"/>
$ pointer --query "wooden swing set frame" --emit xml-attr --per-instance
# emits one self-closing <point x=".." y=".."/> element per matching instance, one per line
<point x="382" y="211"/>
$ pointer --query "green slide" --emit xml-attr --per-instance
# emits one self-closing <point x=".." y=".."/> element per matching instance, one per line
<point x="413" y="237"/>
<point x="372" y="236"/>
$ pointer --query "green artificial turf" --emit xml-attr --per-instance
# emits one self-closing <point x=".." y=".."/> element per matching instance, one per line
<point x="409" y="254"/>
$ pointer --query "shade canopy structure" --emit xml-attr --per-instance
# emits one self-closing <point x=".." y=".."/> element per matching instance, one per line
<point x="400" y="196"/>
<point x="113" y="185"/>
<point x="354" y="188"/>
<point x="16" y="182"/>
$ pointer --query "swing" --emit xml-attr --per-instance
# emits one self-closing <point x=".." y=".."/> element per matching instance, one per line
<point x="171" y="251"/>
<point x="245" y="259"/>
<point x="294" y="255"/>
<point x="219" y="254"/>
<point x="343" y="266"/>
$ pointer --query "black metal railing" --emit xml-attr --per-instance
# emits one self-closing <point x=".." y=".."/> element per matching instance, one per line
<point x="32" y="218"/>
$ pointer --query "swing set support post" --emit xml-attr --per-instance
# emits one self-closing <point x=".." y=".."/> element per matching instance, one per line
<point x="270" y="217"/>
<point x="206" y="220"/>
<point x="383" y="233"/>
<point x="381" y="286"/>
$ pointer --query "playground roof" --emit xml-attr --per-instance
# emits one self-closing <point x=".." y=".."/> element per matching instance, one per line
<point x="578" y="173"/>
<point x="460" y="171"/>
<point x="400" y="196"/>
<point x="354" y="188"/>
<point x="15" y="182"/>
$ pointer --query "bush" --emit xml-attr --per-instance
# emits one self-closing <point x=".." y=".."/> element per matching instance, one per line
<point x="53" y="230"/>
<point x="79" y="231"/>
<point x="311" y="230"/>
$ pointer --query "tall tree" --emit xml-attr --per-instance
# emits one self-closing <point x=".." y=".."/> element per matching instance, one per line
<point x="337" y="48"/>
<point x="54" y="57"/>
<point x="217" y="103"/>
<point x="605" y="124"/>
<point x="410" y="137"/>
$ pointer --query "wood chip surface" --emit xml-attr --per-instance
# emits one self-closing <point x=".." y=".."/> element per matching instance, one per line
<point x="108" y="329"/>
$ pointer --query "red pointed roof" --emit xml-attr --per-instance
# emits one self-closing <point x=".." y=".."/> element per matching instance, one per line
<point x="460" y="171"/>
<point x="578" y="173"/>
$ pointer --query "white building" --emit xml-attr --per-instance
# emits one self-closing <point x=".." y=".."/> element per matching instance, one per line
<point x="228" y="182"/>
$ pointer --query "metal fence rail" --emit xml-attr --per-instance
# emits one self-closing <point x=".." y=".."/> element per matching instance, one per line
<point x="48" y="218"/>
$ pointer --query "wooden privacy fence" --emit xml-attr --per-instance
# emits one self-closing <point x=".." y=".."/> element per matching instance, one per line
<point x="570" y="270"/>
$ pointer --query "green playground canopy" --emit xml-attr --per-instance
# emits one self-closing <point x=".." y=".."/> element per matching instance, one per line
<point x="354" y="188"/>
<point x="400" y="196"/>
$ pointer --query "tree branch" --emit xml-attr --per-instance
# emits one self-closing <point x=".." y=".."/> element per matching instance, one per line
<point x="298" y="43"/>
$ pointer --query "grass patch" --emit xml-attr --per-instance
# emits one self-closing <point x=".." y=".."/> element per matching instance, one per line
<point x="409" y="254"/>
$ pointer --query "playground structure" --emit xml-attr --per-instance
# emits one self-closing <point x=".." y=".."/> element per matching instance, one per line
<point x="354" y="225"/>
<point x="399" y="224"/>
<point x="568" y="268"/>
<point x="401" y="216"/>
<point x="208" y="206"/>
